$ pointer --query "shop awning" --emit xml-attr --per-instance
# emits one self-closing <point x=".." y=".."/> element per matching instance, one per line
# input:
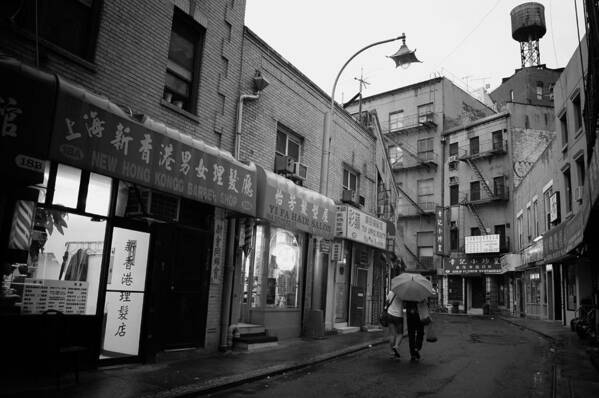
<point x="559" y="241"/>
<point x="27" y="103"/>
<point x="292" y="207"/>
<point x="92" y="133"/>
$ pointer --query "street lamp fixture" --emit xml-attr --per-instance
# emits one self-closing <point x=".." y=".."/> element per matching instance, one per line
<point x="403" y="57"/>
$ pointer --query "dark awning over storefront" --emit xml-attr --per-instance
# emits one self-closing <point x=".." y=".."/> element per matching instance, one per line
<point x="559" y="241"/>
<point x="27" y="103"/>
<point x="290" y="206"/>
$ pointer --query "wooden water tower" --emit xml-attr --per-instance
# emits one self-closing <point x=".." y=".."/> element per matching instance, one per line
<point x="528" y="26"/>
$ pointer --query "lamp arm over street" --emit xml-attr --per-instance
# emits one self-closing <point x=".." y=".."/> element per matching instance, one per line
<point x="324" y="169"/>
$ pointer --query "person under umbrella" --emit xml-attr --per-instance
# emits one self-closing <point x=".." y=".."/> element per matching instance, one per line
<point x="395" y="317"/>
<point x="413" y="290"/>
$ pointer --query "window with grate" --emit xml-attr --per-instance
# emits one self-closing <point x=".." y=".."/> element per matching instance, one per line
<point x="184" y="60"/>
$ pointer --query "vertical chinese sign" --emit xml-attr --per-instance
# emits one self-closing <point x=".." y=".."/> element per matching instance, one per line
<point x="125" y="293"/>
<point x="440" y="230"/>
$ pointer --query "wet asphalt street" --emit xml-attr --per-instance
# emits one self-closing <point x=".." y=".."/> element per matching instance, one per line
<point x="474" y="357"/>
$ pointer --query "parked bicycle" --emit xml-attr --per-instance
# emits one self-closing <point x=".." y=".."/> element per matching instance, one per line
<point x="584" y="323"/>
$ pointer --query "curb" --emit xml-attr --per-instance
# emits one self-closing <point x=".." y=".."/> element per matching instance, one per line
<point x="545" y="335"/>
<point x="229" y="381"/>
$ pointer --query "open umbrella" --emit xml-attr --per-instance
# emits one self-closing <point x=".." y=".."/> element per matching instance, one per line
<point x="412" y="287"/>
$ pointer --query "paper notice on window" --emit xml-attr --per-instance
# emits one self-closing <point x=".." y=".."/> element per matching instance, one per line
<point x="68" y="297"/>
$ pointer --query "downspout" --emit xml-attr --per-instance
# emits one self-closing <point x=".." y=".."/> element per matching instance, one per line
<point x="226" y="332"/>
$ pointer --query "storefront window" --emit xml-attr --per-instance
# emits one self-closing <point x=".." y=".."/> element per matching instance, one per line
<point x="98" y="194"/>
<point x="61" y="267"/>
<point x="257" y="290"/>
<point x="66" y="189"/>
<point x="571" y="288"/>
<point x="533" y="293"/>
<point x="282" y="283"/>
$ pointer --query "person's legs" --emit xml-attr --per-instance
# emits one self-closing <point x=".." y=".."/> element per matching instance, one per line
<point x="419" y="332"/>
<point x="392" y="334"/>
<point x="412" y="333"/>
<point x="399" y="332"/>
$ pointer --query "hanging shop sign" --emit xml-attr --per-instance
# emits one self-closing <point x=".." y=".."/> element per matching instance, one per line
<point x="440" y="217"/>
<point x="94" y="134"/>
<point x="482" y="244"/>
<point x="26" y="109"/>
<point x="559" y="241"/>
<point x="353" y="224"/>
<point x="292" y="207"/>
<point x="533" y="253"/>
<point x="554" y="208"/>
<point x="325" y="246"/>
<point x="464" y="264"/>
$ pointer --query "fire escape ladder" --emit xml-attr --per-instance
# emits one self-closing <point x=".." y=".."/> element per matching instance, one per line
<point x="412" y="201"/>
<point x="413" y="255"/>
<point x="486" y="187"/>
<point x="479" y="220"/>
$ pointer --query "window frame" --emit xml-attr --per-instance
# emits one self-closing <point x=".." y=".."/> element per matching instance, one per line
<point x="567" y="176"/>
<point x="399" y="122"/>
<point x="471" y="148"/>
<point x="564" y="134"/>
<point x="184" y="22"/>
<point x="577" y="110"/>
<point x="429" y="145"/>
<point x="472" y="184"/>
<point x="347" y="184"/>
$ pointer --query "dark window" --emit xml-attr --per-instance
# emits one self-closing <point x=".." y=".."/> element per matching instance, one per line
<point x="580" y="169"/>
<point x="563" y="122"/>
<point x="475" y="231"/>
<point x="500" y="230"/>
<point x="498" y="141"/>
<point x="454" y="239"/>
<point x="474" y="145"/>
<point x="69" y="24"/>
<point x="454" y="194"/>
<point x="425" y="149"/>
<point x="474" y="190"/>
<point x="499" y="186"/>
<point x="577" y="113"/>
<point x="454" y="288"/>
<point x="184" y="57"/>
<point x="539" y="90"/>
<point x="568" y="189"/>
<point x="453" y="149"/>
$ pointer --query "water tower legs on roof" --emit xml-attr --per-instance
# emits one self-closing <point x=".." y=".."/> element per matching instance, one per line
<point x="528" y="26"/>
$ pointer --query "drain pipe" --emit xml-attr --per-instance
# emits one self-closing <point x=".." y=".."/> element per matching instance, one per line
<point x="242" y="98"/>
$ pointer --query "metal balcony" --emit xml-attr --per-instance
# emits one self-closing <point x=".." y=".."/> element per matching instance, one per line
<point x="482" y="197"/>
<point x="485" y="149"/>
<point x="423" y="209"/>
<point x="411" y="123"/>
<point x="421" y="159"/>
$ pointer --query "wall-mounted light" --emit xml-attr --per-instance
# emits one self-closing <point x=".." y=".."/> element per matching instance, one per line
<point x="260" y="82"/>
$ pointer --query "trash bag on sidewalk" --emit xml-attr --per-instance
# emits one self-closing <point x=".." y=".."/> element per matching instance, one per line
<point x="431" y="333"/>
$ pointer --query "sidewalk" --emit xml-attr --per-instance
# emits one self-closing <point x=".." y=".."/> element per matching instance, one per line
<point x="575" y="371"/>
<point x="196" y="374"/>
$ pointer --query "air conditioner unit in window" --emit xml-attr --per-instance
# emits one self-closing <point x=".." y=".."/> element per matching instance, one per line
<point x="284" y="164"/>
<point x="348" y="196"/>
<point x="578" y="193"/>
<point x="453" y="158"/>
<point x="300" y="171"/>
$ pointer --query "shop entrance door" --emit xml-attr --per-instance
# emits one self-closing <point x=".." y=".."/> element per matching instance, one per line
<point x="181" y="280"/>
<point x="478" y="292"/>
<point x="557" y="294"/>
<point x="358" y="298"/>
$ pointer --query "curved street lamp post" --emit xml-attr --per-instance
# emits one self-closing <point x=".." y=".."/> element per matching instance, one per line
<point x="403" y="57"/>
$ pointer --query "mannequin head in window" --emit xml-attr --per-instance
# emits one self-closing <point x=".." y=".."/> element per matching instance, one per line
<point x="285" y="250"/>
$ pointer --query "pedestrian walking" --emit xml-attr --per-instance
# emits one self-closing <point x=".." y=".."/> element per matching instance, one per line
<point x="395" y="317"/>
<point x="415" y="329"/>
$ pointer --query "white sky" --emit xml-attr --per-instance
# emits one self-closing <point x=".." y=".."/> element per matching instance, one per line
<point x="468" y="41"/>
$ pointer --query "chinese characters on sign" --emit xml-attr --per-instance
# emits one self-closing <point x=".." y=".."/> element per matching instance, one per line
<point x="463" y="264"/>
<point x="440" y="216"/>
<point x="218" y="248"/>
<point x="482" y="244"/>
<point x="68" y="297"/>
<point x="290" y="206"/>
<point x="356" y="225"/>
<point x="89" y="137"/>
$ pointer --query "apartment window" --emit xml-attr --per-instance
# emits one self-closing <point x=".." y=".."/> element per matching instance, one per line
<point x="539" y="90"/>
<point x="425" y="149"/>
<point x="474" y="145"/>
<point x="395" y="155"/>
<point x="350" y="180"/>
<point x="288" y="144"/>
<point x="453" y="149"/>
<point x="519" y="230"/>
<point x="424" y="112"/>
<point x="512" y="95"/>
<point x="568" y="189"/>
<point x="580" y="169"/>
<point x="528" y="227"/>
<point x="395" y="120"/>
<point x="535" y="217"/>
<point x="425" y="242"/>
<point x="70" y="24"/>
<point x="499" y="186"/>
<point x="547" y="205"/>
<point x="563" y="123"/>
<point x="475" y="231"/>
<point x="498" y="140"/>
<point x="454" y="239"/>
<point x="474" y="190"/>
<point x="426" y="192"/>
<point x="500" y="230"/>
<point x="577" y="109"/>
<point x="454" y="194"/>
<point x="184" y="57"/>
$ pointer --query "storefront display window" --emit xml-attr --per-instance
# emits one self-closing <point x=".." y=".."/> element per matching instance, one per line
<point x="533" y="292"/>
<point x="257" y="289"/>
<point x="571" y="288"/>
<point x="282" y="283"/>
<point x="98" y="194"/>
<point x="66" y="188"/>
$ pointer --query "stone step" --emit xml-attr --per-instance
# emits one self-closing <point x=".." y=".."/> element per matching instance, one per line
<point x="248" y="328"/>
<point x="347" y="329"/>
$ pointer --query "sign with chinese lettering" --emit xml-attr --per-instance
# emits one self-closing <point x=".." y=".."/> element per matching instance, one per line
<point x="325" y="246"/>
<point x="440" y="217"/>
<point x="559" y="241"/>
<point x="123" y="312"/>
<point x="94" y="134"/>
<point x="337" y="251"/>
<point x="358" y="226"/>
<point x="292" y="207"/>
<point x="129" y="259"/>
<point x="26" y="111"/>
<point x="68" y="297"/>
<point x="464" y="264"/>
<point x="218" y="246"/>
<point x="482" y="244"/>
